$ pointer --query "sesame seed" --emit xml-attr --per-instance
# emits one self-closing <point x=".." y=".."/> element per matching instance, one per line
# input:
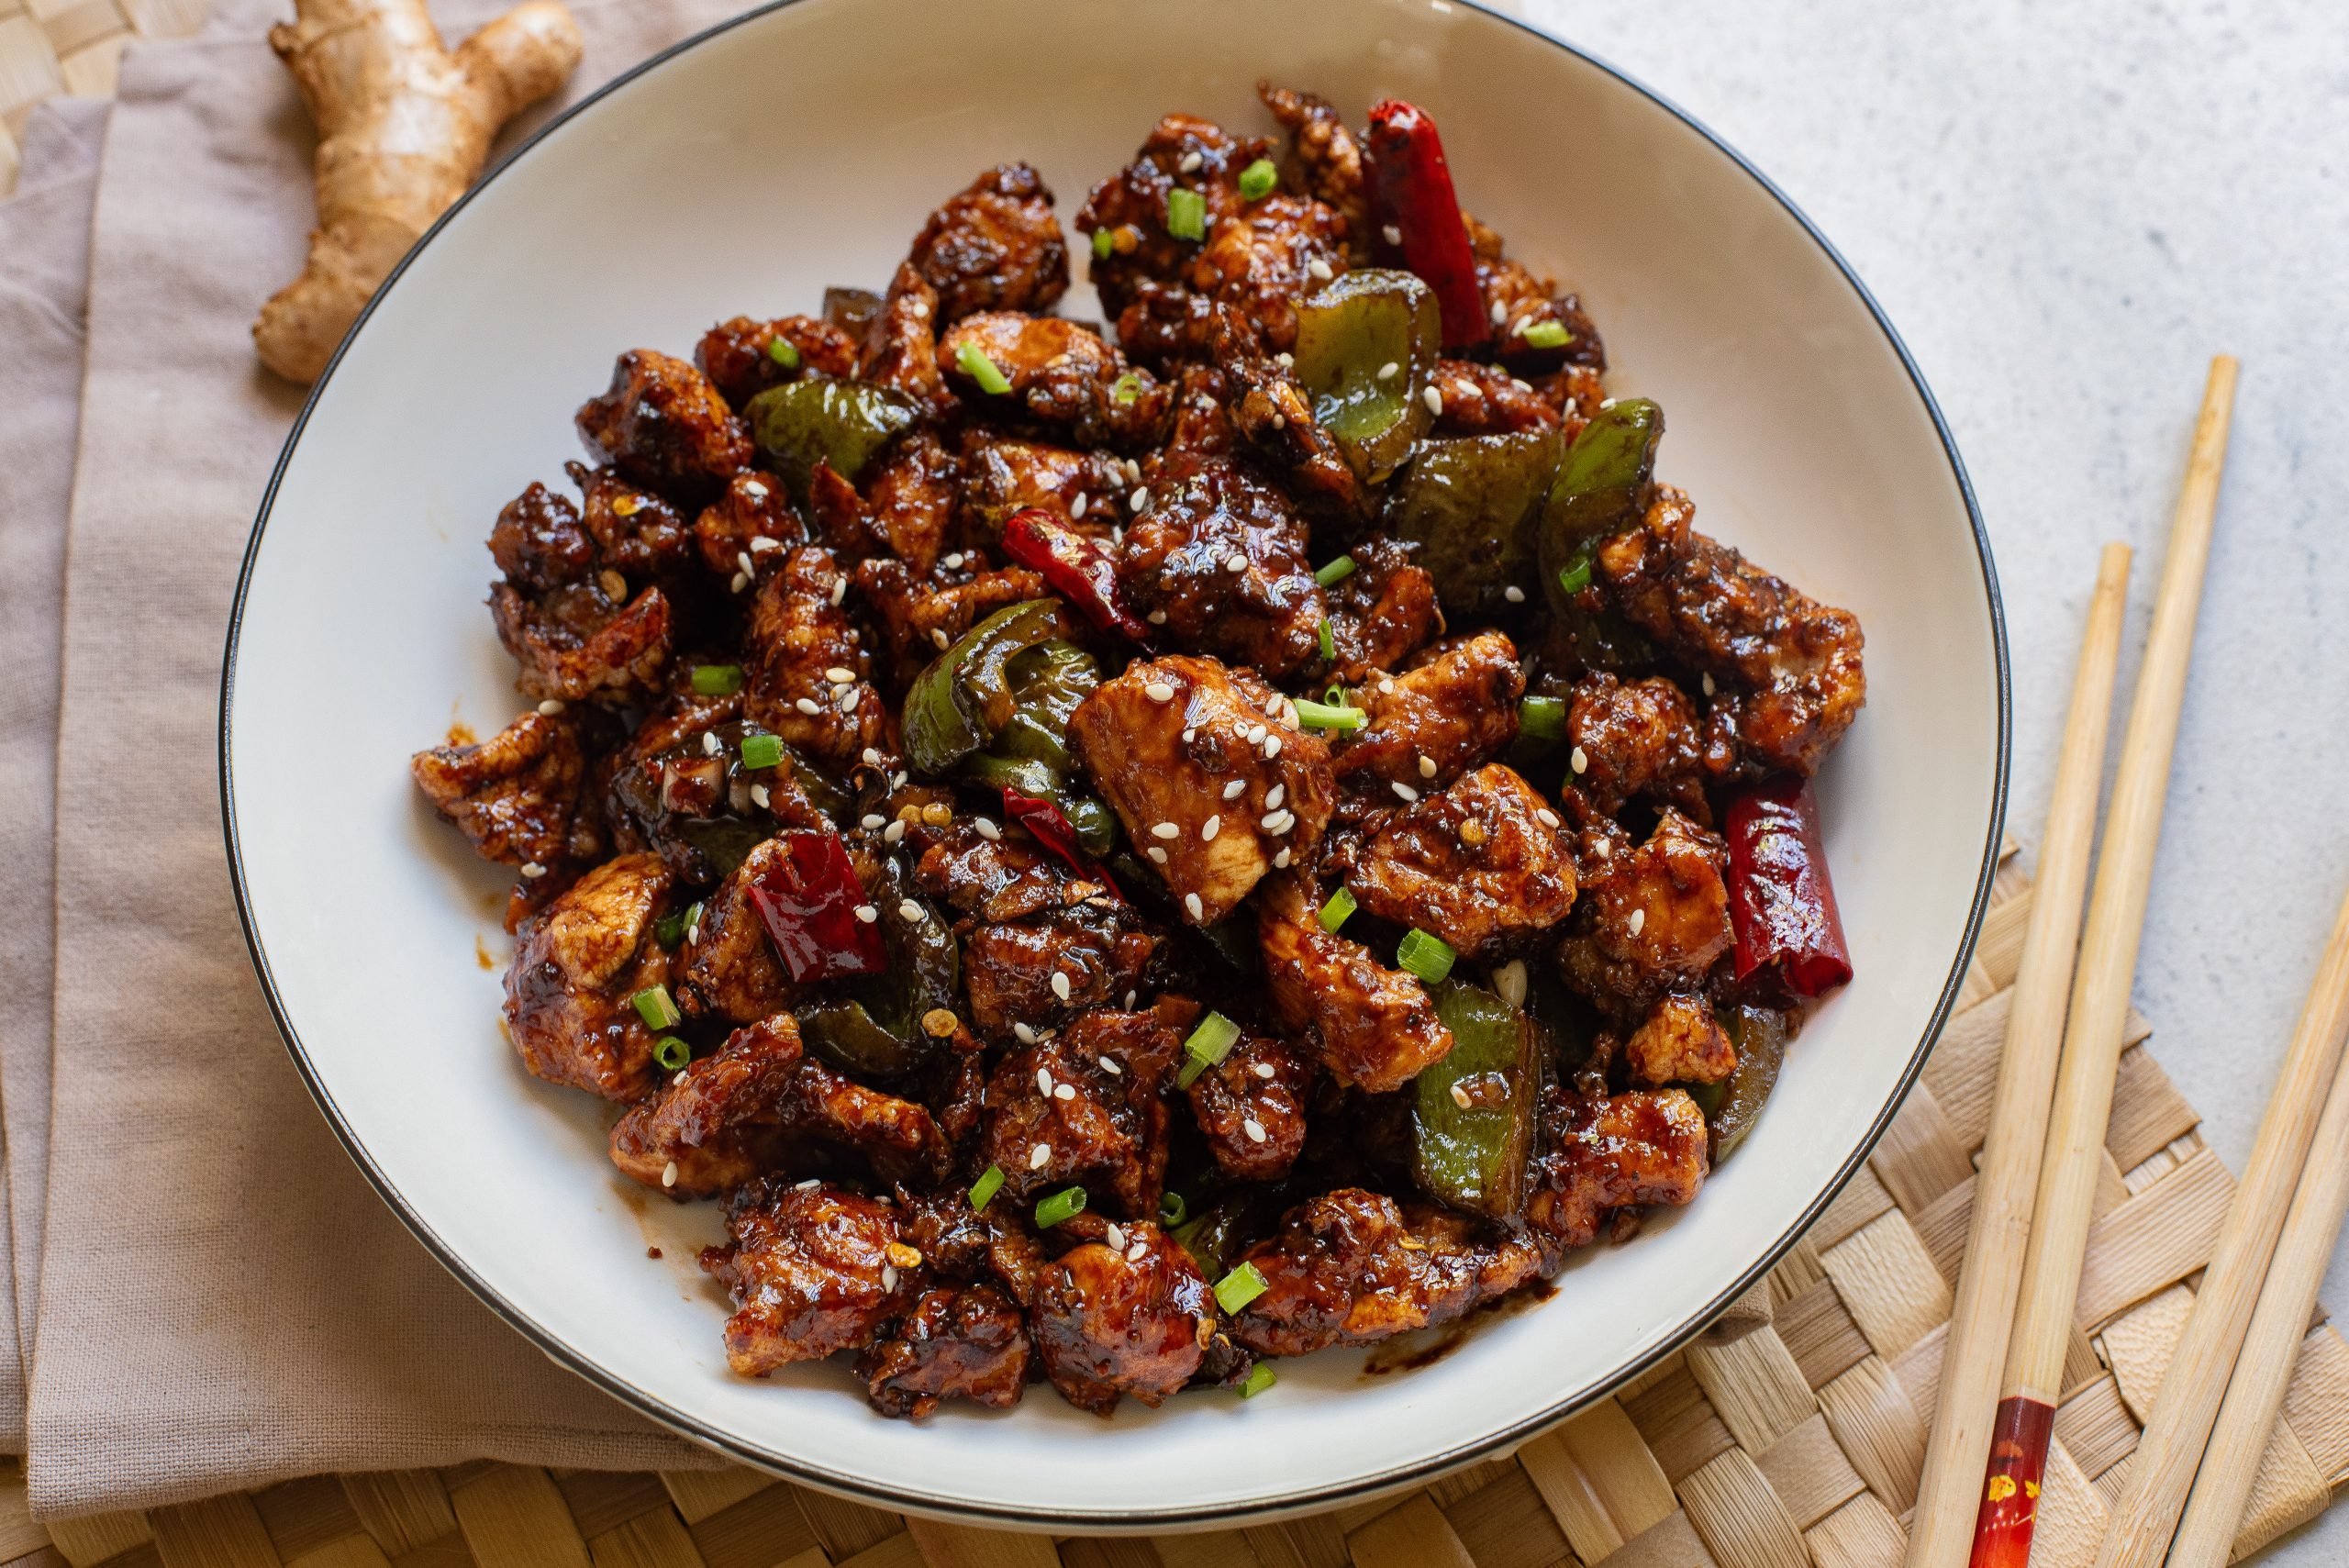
<point x="533" y="869"/>
<point x="1434" y="402"/>
<point x="1156" y="617"/>
<point x="1516" y="327"/>
<point x="678" y="1079"/>
<point x="1232" y="790"/>
<point x="1210" y="828"/>
<point x="1273" y="796"/>
<point x="840" y="591"/>
<point x="759" y="797"/>
<point x="871" y="758"/>
<point x="1522" y="385"/>
<point x="1605" y="404"/>
<point x="938" y="635"/>
<point x="1133" y="471"/>
<point x="1513" y="594"/>
<point x="1282" y="859"/>
<point x="1130" y="1000"/>
<point x="1500" y="309"/>
<point x="1386" y="686"/>
<point x="1040" y="1156"/>
<point x="1427" y="767"/>
<point x="1263" y="1070"/>
<point x="1406" y="792"/>
<point x="1510" y="981"/>
<point x="1459" y="1097"/>
<point x="1076" y="508"/>
<point x="873" y="822"/>
<point x="1272" y="747"/>
<point x="1579" y="761"/>
<point x="1191" y="161"/>
<point x="809" y="1186"/>
<point x="753" y="488"/>
<point x="1044" y="1080"/>
<point x="867" y="913"/>
<point x="1064" y="1092"/>
<point x="1165" y="830"/>
<point x="1191" y="902"/>
<point x="669" y="1174"/>
<point x="1137" y="499"/>
<point x="954" y="561"/>
<point x="840" y="676"/>
<point x="894" y="833"/>
<point x="909" y="910"/>
<point x="1637" y="922"/>
<point x="1060" y="985"/>
<point x="1159" y="691"/>
<point x="1254" y="1129"/>
<point x="1285" y="360"/>
<point x="1235" y="563"/>
<point x="614" y="587"/>
<point x="1108" y="1066"/>
<point x="1390" y="371"/>
<point x="809" y="705"/>
<point x="1708" y="689"/>
<point x="1392" y="235"/>
<point x="888" y="1276"/>
<point x="849" y="698"/>
<point x="1321" y="269"/>
<point x="743" y="560"/>
<point x="1544" y="815"/>
<point x="1270" y="817"/>
<point x="1138" y="1252"/>
<point x="1256" y="733"/>
<point x="1157" y="855"/>
<point x="1604" y="849"/>
<point x="1114" y="1237"/>
<point x="1279" y="421"/>
<point x="1285" y="820"/>
<point x="1025" y="1035"/>
<point x="710" y="744"/>
<point x="986" y="829"/>
<point x="552" y="707"/>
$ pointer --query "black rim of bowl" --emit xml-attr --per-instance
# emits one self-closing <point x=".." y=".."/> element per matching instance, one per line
<point x="1336" y="1494"/>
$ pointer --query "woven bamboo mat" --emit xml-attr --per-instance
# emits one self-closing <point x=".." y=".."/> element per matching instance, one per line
<point x="1799" y="1443"/>
<point x="48" y="46"/>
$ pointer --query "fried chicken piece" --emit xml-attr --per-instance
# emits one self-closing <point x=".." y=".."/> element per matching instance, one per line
<point x="715" y="1125"/>
<point x="748" y="528"/>
<point x="1656" y="920"/>
<point x="1648" y="1147"/>
<point x="903" y="351"/>
<point x="738" y="354"/>
<point x="1131" y="203"/>
<point x="637" y="533"/>
<point x="810" y="1272"/>
<point x="1482" y="864"/>
<point x="1212" y="780"/>
<point x="1061" y="375"/>
<point x="576" y="643"/>
<point x="1259" y="262"/>
<point x="1201" y="432"/>
<point x="1516" y="301"/>
<point x="1176" y="569"/>
<point x="515" y="795"/>
<point x="663" y="424"/>
<point x="1251" y="1108"/>
<point x="1382" y="612"/>
<point x="1322" y="159"/>
<point x="1456" y="708"/>
<point x="1087" y="1097"/>
<point x="1271" y="411"/>
<point x="1788" y="668"/>
<point x="1351" y="1267"/>
<point x="576" y="965"/>
<point x="958" y="1342"/>
<point x="959" y="1242"/>
<point x="1023" y="916"/>
<point x="730" y="970"/>
<point x="539" y="542"/>
<point x="1680" y="1042"/>
<point x="1135" y="1322"/>
<point x="1372" y="1026"/>
<point x="923" y="616"/>
<point x="995" y="246"/>
<point x="1001" y="476"/>
<point x="799" y="646"/>
<point x="1635" y="737"/>
<point x="1486" y="400"/>
<point x="910" y="499"/>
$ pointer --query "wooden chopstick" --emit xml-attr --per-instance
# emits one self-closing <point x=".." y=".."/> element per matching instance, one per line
<point x="2009" y="1174"/>
<point x="2239" y="1277"/>
<point x="2099" y="1010"/>
<point x="2247" y="1416"/>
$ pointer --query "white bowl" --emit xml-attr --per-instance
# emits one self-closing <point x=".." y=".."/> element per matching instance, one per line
<point x="802" y="146"/>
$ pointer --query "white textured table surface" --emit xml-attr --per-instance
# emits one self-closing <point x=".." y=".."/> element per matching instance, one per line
<point x="2066" y="209"/>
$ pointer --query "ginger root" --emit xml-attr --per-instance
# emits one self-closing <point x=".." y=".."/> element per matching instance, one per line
<point x="404" y="127"/>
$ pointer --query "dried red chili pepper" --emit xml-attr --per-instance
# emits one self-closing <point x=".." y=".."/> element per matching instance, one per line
<point x="808" y="900"/>
<point x="1412" y="199"/>
<point x="1781" y="902"/>
<point x="1051" y="829"/>
<point x="1079" y="569"/>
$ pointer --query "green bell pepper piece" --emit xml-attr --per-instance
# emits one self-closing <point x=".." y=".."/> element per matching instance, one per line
<point x="875" y="1029"/>
<point x="964" y="696"/>
<point x="820" y="419"/>
<point x="1347" y="332"/>
<point x="1474" y="1156"/>
<point x="1597" y="490"/>
<point x="1732" y="1106"/>
<point x="1473" y="506"/>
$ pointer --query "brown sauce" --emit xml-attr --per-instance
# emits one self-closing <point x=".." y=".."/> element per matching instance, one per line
<point x="480" y="953"/>
<point x="1409" y="1352"/>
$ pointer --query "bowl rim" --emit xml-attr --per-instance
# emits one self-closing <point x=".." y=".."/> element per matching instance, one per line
<point x="907" y="1497"/>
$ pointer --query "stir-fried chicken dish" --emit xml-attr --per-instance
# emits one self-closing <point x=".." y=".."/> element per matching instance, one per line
<point x="1120" y="851"/>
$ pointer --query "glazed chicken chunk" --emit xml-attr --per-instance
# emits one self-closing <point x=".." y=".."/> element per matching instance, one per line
<point x="1680" y="1042"/>
<point x="807" y="682"/>
<point x="1658" y="920"/>
<point x="1482" y="864"/>
<point x="663" y="424"/>
<point x="741" y="357"/>
<point x="1635" y="737"/>
<point x="1210" y="779"/>
<point x="1601" y="1154"/>
<point x="812" y="1270"/>
<point x="1058" y="374"/>
<point x="515" y="794"/>
<point x="958" y="1342"/>
<point x="1251" y="1108"/>
<point x="729" y="969"/>
<point x="576" y="965"/>
<point x="1134" y="1321"/>
<point x="1371" y="1026"/>
<point x="995" y="246"/>
<point x="1455" y="710"/>
<point x="567" y="618"/>
<point x="1082" y="1105"/>
<point x="1218" y="560"/>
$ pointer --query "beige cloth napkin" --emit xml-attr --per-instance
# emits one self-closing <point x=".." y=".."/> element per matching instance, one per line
<point x="224" y="1303"/>
<point x="44" y="262"/>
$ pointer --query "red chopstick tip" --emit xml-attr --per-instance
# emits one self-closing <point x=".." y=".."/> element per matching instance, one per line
<point x="2010" y="1487"/>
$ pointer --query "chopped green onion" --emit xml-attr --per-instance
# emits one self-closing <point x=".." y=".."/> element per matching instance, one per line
<point x="1329" y="636"/>
<point x="670" y="930"/>
<point x="1065" y="1204"/>
<point x="1336" y="571"/>
<point x="990" y="1182"/>
<point x="1126" y="388"/>
<point x="1102" y="244"/>
<point x="1325" y="715"/>
<point x="1428" y="957"/>
<point x="1240" y="1286"/>
<point x="671" y="1052"/>
<point x="717" y="680"/>
<point x="657" y="1007"/>
<point x="1544" y="718"/>
<point x="981" y="368"/>
<point x="1260" y="1379"/>
<point x="785" y="352"/>
<point x="1187" y="214"/>
<point x="1257" y="180"/>
<point x="1547" y="335"/>
<point x="1171" y="1209"/>
<point x="1208" y="1044"/>
<point x="1576" y="578"/>
<point x="761" y="750"/>
<point x="1337" y="909"/>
